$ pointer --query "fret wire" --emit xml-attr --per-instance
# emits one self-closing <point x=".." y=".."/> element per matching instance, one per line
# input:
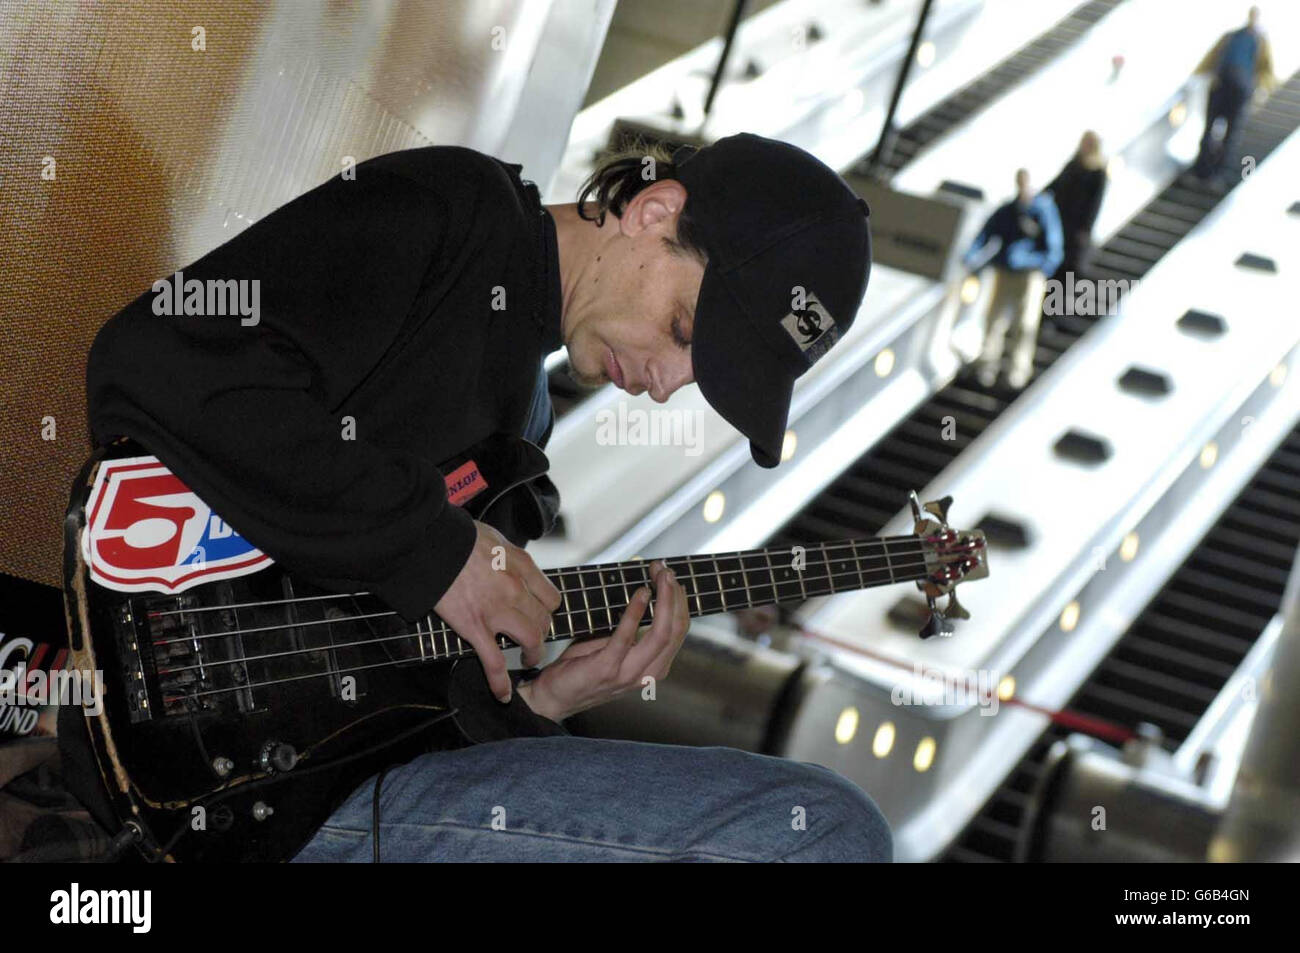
<point x="627" y="599"/>
<point x="721" y="585"/>
<point x="591" y="626"/>
<point x="681" y="577"/>
<point x="803" y="588"/>
<point x="744" y="579"/>
<point x="830" y="580"/>
<point x="853" y="566"/>
<point x="564" y="597"/>
<point x="889" y="563"/>
<point x="861" y="576"/>
<point x="609" y="610"/>
<point x="690" y="568"/>
<point x="771" y="571"/>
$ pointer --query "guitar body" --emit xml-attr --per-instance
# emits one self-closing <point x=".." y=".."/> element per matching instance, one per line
<point x="241" y="705"/>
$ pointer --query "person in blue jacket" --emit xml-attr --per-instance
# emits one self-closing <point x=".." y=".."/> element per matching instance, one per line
<point x="1239" y="63"/>
<point x="1024" y="243"/>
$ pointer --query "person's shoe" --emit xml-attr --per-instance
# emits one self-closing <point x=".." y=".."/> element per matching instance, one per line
<point x="1019" y="377"/>
<point x="987" y="376"/>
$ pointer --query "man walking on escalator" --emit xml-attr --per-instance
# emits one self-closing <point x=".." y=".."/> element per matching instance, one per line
<point x="1023" y="242"/>
<point x="1240" y="62"/>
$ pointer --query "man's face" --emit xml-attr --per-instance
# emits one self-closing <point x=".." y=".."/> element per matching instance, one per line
<point x="1024" y="194"/>
<point x="631" y="318"/>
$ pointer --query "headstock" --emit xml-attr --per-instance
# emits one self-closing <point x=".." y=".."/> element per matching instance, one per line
<point x="951" y="556"/>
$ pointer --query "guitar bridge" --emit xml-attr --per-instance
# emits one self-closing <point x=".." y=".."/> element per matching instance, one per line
<point x="135" y="687"/>
<point x="192" y="656"/>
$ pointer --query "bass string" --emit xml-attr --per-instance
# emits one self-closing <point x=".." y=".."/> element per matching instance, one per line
<point x="463" y="648"/>
<point x="568" y="612"/>
<point x="902" y="545"/>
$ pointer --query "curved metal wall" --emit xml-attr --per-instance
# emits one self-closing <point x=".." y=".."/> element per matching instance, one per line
<point x="127" y="151"/>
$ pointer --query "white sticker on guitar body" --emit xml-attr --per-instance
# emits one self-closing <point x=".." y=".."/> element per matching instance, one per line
<point x="146" y="531"/>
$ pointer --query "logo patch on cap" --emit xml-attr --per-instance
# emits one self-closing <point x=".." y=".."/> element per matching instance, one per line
<point x="812" y="329"/>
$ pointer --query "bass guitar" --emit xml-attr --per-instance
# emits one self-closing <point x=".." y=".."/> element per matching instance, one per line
<point x="241" y="704"/>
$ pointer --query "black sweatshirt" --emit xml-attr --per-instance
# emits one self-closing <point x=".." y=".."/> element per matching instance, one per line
<point x="380" y="301"/>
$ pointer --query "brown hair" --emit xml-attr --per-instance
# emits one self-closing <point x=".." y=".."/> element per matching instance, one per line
<point x="620" y="176"/>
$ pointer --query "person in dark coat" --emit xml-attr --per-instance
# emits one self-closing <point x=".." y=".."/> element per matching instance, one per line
<point x="1239" y="63"/>
<point x="1078" y="190"/>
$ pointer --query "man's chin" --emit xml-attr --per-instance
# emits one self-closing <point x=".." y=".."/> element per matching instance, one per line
<point x="587" y="380"/>
<point x="583" y="378"/>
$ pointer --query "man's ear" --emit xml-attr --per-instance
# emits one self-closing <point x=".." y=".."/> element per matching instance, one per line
<point x="657" y="203"/>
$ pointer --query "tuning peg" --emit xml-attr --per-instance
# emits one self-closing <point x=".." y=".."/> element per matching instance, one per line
<point x="914" y="502"/>
<point x="939" y="508"/>
<point x="955" y="609"/>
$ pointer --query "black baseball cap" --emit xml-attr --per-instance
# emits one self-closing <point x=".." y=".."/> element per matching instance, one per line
<point x="789" y="246"/>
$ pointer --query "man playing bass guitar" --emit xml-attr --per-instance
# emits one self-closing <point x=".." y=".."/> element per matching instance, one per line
<point x="403" y="313"/>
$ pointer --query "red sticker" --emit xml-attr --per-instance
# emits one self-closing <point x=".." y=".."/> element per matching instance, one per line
<point x="464" y="483"/>
<point x="146" y="531"/>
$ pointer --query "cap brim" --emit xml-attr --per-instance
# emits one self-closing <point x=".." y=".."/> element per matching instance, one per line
<point x="739" y="375"/>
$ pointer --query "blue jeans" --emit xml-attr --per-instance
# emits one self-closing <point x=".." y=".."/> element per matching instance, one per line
<point x="589" y="799"/>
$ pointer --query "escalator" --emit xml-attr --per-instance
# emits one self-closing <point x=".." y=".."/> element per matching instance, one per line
<point x="958" y="108"/>
<point x="875" y="487"/>
<point x="1176" y="658"/>
<point x="936" y="122"/>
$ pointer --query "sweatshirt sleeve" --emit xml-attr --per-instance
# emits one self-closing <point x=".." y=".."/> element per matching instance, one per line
<point x="245" y="408"/>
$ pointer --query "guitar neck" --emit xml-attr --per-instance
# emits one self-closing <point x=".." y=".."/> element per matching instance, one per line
<point x="595" y="596"/>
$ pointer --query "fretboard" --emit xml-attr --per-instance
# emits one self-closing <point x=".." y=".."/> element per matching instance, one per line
<point x="594" y="597"/>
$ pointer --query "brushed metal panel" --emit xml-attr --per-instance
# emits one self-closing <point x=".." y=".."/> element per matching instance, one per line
<point x="160" y="151"/>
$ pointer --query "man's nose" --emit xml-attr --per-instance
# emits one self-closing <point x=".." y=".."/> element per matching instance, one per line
<point x="666" y="379"/>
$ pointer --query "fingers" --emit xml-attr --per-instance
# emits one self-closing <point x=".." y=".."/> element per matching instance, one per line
<point x="663" y="662"/>
<point x="670" y="602"/>
<point x="576" y="649"/>
<point x="654" y="653"/>
<point x="499" y="590"/>
<point x="527" y="626"/>
<point x="525" y="616"/>
<point x="614" y="648"/>
<point x="624" y="638"/>
<point x="493" y="661"/>
<point x="541" y="588"/>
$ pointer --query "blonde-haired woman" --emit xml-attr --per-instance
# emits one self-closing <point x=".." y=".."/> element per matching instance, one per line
<point x="1078" y="190"/>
